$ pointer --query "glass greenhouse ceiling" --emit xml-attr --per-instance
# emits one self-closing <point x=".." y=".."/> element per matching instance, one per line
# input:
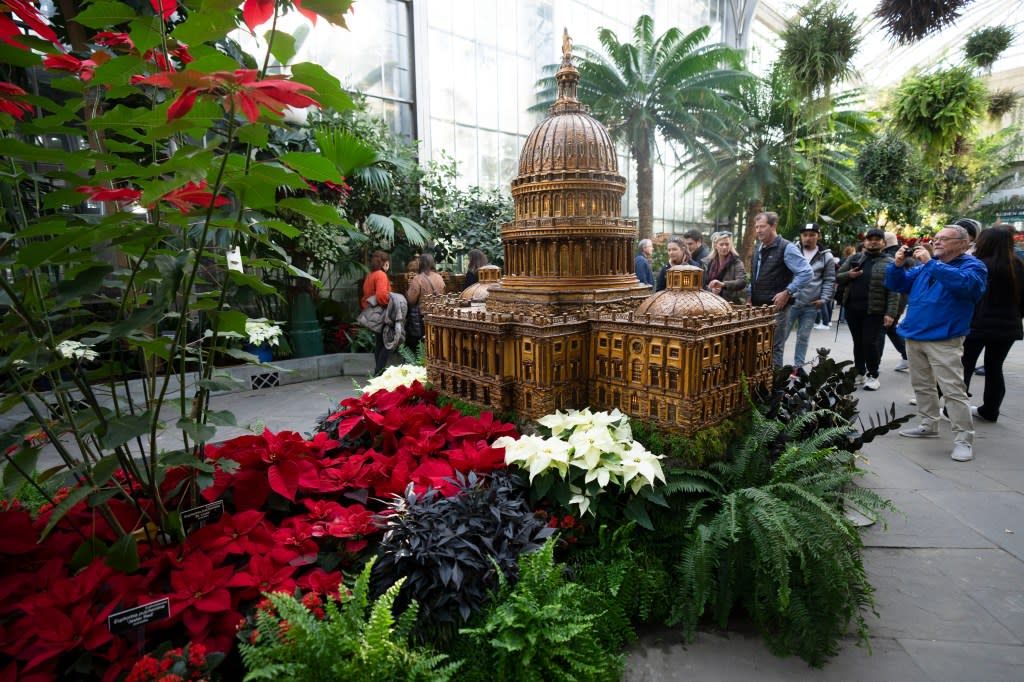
<point x="881" y="63"/>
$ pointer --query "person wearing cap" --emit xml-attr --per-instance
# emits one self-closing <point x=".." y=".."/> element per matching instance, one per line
<point x="973" y="228"/>
<point x="892" y="245"/>
<point x="942" y="293"/>
<point x="778" y="272"/>
<point x="811" y="297"/>
<point x="870" y="307"/>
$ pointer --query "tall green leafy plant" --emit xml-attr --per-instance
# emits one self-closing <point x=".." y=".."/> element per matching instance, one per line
<point x="118" y="300"/>
<point x="937" y="109"/>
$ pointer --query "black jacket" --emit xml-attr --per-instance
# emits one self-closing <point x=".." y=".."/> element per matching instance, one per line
<point x="997" y="316"/>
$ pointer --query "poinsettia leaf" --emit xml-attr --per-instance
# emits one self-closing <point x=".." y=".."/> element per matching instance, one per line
<point x="284" y="479"/>
<point x="103" y="470"/>
<point x="200" y="433"/>
<point x="119" y="70"/>
<point x="145" y="33"/>
<point x="18" y="57"/>
<point x="282" y="45"/>
<point x="122" y="429"/>
<point x="331" y="10"/>
<point x="25" y="460"/>
<point x="636" y="511"/>
<point x="64" y="506"/>
<point x="312" y="166"/>
<point x="105" y="14"/>
<point x="231" y="321"/>
<point x="222" y="417"/>
<point x="255" y="283"/>
<point x="215" y="61"/>
<point x="123" y="555"/>
<point x="205" y="25"/>
<point x="321" y="213"/>
<point x="328" y="89"/>
<point x="254" y="134"/>
<point x="90" y="550"/>
<point x="84" y="283"/>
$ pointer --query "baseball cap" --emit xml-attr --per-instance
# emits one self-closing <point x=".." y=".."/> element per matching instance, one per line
<point x="811" y="227"/>
<point x="874" y="232"/>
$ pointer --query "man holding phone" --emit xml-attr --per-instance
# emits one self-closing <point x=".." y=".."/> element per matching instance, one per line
<point x="942" y="293"/>
<point x="870" y="307"/>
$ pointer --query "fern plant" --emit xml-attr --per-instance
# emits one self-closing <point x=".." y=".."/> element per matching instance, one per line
<point x="773" y="539"/>
<point x="416" y="357"/>
<point x="545" y="629"/>
<point x="339" y="642"/>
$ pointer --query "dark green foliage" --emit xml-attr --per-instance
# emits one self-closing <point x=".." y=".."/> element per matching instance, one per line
<point x="453" y="551"/>
<point x="544" y="629"/>
<point x="910" y="21"/>
<point x="347" y="643"/>
<point x="773" y="539"/>
<point x="629" y="578"/>
<point x="707" y="445"/>
<point x="985" y="45"/>
<point x="827" y="391"/>
<point x="891" y="175"/>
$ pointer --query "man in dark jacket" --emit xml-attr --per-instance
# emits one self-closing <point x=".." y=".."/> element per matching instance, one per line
<point x="778" y="272"/>
<point x="942" y="293"/>
<point x="892" y="245"/>
<point x="870" y="307"/>
<point x="694" y="241"/>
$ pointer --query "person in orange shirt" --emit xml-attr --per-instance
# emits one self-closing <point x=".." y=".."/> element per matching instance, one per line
<point x="376" y="287"/>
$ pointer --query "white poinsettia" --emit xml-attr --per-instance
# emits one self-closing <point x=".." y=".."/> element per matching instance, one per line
<point x="641" y="467"/>
<point x="597" y="445"/>
<point x="396" y="376"/>
<point x="262" y="331"/>
<point x="76" y="350"/>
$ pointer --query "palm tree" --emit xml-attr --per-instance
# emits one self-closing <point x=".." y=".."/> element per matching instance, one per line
<point x="783" y="154"/>
<point x="674" y="85"/>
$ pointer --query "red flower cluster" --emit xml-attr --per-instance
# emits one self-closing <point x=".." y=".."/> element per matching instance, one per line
<point x="175" y="665"/>
<point x="291" y="504"/>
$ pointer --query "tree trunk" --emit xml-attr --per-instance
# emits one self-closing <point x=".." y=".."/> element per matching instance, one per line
<point x="644" y="191"/>
<point x="747" y="247"/>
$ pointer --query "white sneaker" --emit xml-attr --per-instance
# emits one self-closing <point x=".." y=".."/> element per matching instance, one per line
<point x="821" y="326"/>
<point x="903" y="366"/>
<point x="872" y="384"/>
<point x="962" y="452"/>
<point x="913" y="400"/>
<point x="859" y="381"/>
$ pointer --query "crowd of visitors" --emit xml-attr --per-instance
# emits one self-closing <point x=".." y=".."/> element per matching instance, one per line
<point x="941" y="303"/>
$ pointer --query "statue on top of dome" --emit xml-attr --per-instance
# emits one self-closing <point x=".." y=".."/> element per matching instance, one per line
<point x="566" y="44"/>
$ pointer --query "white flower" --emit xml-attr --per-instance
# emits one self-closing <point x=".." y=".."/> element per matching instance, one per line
<point x="261" y="331"/>
<point x="75" y="349"/>
<point x="641" y="467"/>
<point x="395" y="376"/>
<point x="536" y="454"/>
<point x="589" y="445"/>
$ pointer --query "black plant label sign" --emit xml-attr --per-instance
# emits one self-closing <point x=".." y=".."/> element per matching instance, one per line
<point x="203" y="514"/>
<point x="133" y="618"/>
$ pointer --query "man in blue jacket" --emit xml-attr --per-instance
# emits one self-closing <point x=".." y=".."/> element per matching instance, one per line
<point x="942" y="293"/>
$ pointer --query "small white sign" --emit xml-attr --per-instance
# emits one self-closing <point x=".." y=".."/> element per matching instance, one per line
<point x="235" y="259"/>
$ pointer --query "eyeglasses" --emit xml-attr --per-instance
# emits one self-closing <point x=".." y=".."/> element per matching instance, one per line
<point x="948" y="239"/>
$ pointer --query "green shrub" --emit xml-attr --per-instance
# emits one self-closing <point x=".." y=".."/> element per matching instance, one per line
<point x="773" y="539"/>
<point x="707" y="445"/>
<point x="543" y="629"/>
<point x="339" y="642"/>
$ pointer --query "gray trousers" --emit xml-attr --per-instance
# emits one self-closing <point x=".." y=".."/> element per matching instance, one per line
<point x="939" y="362"/>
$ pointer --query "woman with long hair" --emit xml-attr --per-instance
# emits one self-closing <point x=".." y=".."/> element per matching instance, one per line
<point x="477" y="259"/>
<point x="426" y="282"/>
<point x="996" y="324"/>
<point x="377" y="288"/>
<point x="678" y="254"/>
<point x="724" y="274"/>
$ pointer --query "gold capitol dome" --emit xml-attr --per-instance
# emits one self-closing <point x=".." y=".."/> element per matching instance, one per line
<point x="568" y="242"/>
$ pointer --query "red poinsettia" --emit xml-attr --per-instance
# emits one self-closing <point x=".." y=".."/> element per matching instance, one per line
<point x="164" y="8"/>
<point x="294" y="543"/>
<point x="97" y="193"/>
<point x="199" y="590"/>
<point x="10" y="32"/>
<point x="321" y="582"/>
<point x="243" y="533"/>
<point x="263" y="574"/>
<point x="83" y="68"/>
<point x="256" y="12"/>
<point x="81" y="627"/>
<point x="114" y="40"/>
<point x="476" y="456"/>
<point x="193" y="195"/>
<point x="240" y="91"/>
<point x="11" y="101"/>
